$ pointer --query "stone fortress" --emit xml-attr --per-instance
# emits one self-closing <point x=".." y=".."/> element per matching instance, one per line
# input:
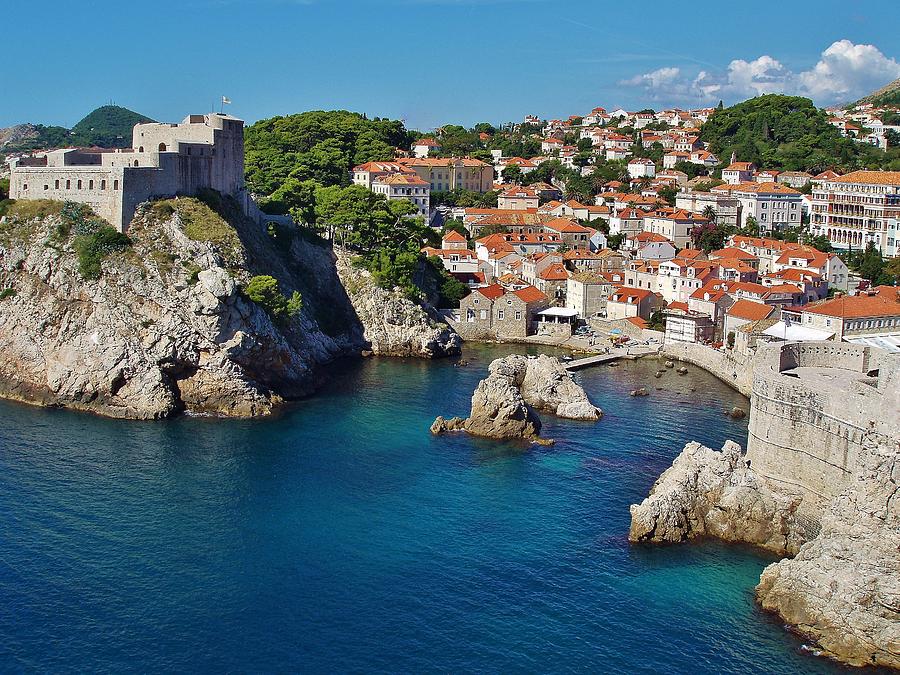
<point x="166" y="160"/>
<point x="812" y="407"/>
<point x="819" y="483"/>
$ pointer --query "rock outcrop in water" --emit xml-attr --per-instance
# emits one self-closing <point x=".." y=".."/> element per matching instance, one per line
<point x="166" y="326"/>
<point x="504" y="403"/>
<point x="710" y="493"/>
<point x="841" y="590"/>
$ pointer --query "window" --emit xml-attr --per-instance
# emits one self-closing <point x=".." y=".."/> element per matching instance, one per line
<point x="483" y="315"/>
<point x="518" y="316"/>
<point x="79" y="185"/>
<point x="25" y="187"/>
<point x="141" y="149"/>
<point x="68" y="185"/>
<point x="56" y="185"/>
<point x="135" y="162"/>
<point x="90" y="185"/>
<point x="500" y="314"/>
<point x="162" y="147"/>
<point x="103" y="184"/>
<point x="115" y="185"/>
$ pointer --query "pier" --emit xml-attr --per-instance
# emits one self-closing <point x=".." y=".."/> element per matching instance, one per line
<point x="597" y="359"/>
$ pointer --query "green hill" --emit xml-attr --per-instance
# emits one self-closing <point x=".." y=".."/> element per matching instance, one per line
<point x="889" y="94"/>
<point x="787" y="133"/>
<point x="108" y="126"/>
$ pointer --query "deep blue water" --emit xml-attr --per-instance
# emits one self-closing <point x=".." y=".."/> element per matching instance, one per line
<point x="341" y="537"/>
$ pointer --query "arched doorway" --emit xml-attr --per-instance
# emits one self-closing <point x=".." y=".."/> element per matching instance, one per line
<point x="162" y="147"/>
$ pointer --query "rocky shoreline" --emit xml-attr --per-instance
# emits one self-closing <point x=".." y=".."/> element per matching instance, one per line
<point x="167" y="328"/>
<point x="839" y="583"/>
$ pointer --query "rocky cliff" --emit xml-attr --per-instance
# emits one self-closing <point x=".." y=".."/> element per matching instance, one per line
<point x="842" y="588"/>
<point x="166" y="325"/>
<point x="709" y="493"/>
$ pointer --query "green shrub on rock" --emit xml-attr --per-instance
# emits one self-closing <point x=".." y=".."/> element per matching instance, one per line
<point x="264" y="291"/>
<point x="93" y="248"/>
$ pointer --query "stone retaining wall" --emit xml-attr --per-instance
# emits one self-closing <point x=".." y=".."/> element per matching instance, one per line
<point x="732" y="368"/>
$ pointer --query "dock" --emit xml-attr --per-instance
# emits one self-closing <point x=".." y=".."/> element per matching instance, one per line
<point x="597" y="359"/>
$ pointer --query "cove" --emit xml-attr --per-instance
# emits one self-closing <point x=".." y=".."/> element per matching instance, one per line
<point x="340" y="536"/>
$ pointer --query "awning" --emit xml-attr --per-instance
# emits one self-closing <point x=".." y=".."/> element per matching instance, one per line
<point x="559" y="311"/>
<point x="796" y="332"/>
<point x="889" y="342"/>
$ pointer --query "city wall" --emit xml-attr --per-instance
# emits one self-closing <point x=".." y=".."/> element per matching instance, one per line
<point x="812" y="404"/>
<point x="732" y="368"/>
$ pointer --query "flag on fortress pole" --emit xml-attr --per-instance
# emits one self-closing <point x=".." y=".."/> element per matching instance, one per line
<point x="225" y="101"/>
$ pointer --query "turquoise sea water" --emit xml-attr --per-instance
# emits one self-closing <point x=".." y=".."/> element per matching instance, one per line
<point x="341" y="537"/>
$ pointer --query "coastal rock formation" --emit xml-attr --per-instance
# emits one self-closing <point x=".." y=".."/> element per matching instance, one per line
<point x="504" y="403"/>
<point x="820" y="481"/>
<point x="547" y="385"/>
<point x="710" y="493"/>
<point x="498" y="407"/>
<point x="166" y="326"/>
<point x="393" y="324"/>
<point x="842" y="589"/>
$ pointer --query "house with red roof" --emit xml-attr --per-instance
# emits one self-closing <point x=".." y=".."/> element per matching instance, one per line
<point x="745" y="311"/>
<point x="497" y="313"/>
<point x="518" y="198"/>
<point x="738" y="172"/>
<point x="425" y="147"/>
<point x="628" y="302"/>
<point x="862" y="317"/>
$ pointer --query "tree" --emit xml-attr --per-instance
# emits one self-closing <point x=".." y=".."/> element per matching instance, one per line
<point x="264" y="291"/>
<point x="751" y="228"/>
<point x="710" y="214"/>
<point x="820" y="242"/>
<point x="512" y="174"/>
<point x="668" y="193"/>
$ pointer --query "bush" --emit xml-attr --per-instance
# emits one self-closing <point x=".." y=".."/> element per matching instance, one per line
<point x="264" y="291"/>
<point x="7" y="293"/>
<point x="93" y="248"/>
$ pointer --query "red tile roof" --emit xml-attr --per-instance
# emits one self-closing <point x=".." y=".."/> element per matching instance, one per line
<point x="530" y="294"/>
<point x="749" y="310"/>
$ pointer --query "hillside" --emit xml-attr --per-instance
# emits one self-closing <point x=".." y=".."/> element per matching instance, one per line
<point x="197" y="309"/>
<point x="889" y="94"/>
<point x="788" y="133"/>
<point x="316" y="146"/>
<point x="108" y="126"/>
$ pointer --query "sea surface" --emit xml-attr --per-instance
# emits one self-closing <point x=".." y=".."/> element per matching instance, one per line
<point x="339" y="537"/>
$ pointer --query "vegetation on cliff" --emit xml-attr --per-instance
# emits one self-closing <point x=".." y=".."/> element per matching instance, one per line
<point x="789" y="133"/>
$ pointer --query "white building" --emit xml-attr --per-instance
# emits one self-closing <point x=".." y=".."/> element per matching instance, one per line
<point x="405" y="186"/>
<point x="641" y="168"/>
<point x="772" y="205"/>
<point x="858" y="208"/>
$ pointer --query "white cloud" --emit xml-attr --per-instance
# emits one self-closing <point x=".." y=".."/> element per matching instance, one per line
<point x="845" y="71"/>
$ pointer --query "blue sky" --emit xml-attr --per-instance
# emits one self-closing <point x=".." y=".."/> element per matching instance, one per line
<point x="432" y="62"/>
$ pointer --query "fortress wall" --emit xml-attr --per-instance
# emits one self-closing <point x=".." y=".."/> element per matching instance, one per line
<point x="732" y="368"/>
<point x="106" y="203"/>
<point x="806" y="434"/>
<point x="824" y="355"/>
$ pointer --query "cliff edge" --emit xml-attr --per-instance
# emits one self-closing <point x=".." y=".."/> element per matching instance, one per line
<point x="164" y="324"/>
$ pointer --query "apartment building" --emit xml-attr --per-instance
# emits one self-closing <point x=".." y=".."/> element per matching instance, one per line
<point x="857" y="209"/>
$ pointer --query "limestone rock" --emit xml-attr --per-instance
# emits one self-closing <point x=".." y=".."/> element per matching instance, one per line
<point x="642" y="391"/>
<point x="547" y="385"/>
<point x="504" y="403"/>
<point x="442" y="426"/>
<point x="166" y="328"/>
<point x="842" y="589"/>
<point x="710" y="493"/>
<point x="394" y="325"/>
